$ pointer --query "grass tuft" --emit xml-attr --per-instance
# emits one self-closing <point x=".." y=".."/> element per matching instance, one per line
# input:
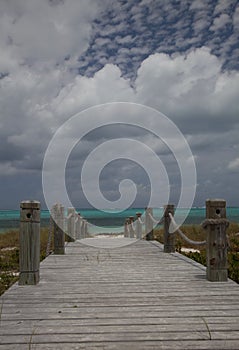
<point x="9" y="256"/>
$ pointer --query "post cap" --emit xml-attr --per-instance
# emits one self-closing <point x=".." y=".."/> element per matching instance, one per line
<point x="168" y="208"/>
<point x="30" y="204"/>
<point x="30" y="211"/>
<point x="215" y="208"/>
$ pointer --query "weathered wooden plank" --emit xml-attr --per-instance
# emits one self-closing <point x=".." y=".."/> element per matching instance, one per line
<point x="129" y="314"/>
<point x="118" y="337"/>
<point x="128" y="327"/>
<point x="137" y="307"/>
<point x="136" y="297"/>
<point x="142" y="345"/>
<point x="120" y="302"/>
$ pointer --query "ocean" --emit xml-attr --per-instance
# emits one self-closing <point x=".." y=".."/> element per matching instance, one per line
<point x="110" y="221"/>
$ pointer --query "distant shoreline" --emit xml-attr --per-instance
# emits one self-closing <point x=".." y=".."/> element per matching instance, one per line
<point x="9" y="219"/>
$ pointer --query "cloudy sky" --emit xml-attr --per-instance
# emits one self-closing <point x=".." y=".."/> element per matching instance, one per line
<point x="59" y="57"/>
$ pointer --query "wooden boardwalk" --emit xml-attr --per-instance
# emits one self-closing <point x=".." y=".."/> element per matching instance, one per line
<point x="134" y="297"/>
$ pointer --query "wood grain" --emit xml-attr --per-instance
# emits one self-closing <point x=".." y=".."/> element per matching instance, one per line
<point x="133" y="297"/>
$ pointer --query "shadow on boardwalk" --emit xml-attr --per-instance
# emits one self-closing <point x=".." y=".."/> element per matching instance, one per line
<point x="134" y="297"/>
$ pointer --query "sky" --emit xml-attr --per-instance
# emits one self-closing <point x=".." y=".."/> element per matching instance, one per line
<point x="60" y="57"/>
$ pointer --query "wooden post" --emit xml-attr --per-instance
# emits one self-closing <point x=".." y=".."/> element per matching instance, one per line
<point x="83" y="228"/>
<point x="149" y="225"/>
<point x="86" y="228"/>
<point x="71" y="224"/>
<point x="169" y="238"/>
<point x="78" y="226"/>
<point x="138" y="226"/>
<point x="126" y="228"/>
<point x="59" y="234"/>
<point x="29" y="258"/>
<point x="131" y="230"/>
<point x="216" y="226"/>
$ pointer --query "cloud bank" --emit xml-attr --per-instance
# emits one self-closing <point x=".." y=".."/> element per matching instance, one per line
<point x="60" y="57"/>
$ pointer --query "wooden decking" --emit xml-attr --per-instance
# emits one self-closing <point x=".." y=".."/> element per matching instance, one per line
<point x="134" y="297"/>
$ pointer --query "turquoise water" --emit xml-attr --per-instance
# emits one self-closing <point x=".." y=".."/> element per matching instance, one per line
<point x="9" y="219"/>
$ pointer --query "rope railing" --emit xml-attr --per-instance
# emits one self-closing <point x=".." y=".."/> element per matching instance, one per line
<point x="131" y="229"/>
<point x="127" y="230"/>
<point x="155" y="221"/>
<point x="140" y="221"/>
<point x="73" y="224"/>
<point x="134" y="227"/>
<point x="215" y="225"/>
<point x="178" y="230"/>
<point x="69" y="216"/>
<point x="216" y="241"/>
<point x="219" y="221"/>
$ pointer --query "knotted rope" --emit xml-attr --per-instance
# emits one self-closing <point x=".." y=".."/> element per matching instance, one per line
<point x="140" y="221"/>
<point x="218" y="221"/>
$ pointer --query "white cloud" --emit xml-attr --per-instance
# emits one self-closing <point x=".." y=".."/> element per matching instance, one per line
<point x="170" y="83"/>
<point x="107" y="85"/>
<point x="102" y="41"/>
<point x="222" y="6"/>
<point x="124" y="40"/>
<point x="236" y="18"/>
<point x="198" y="5"/>
<point x="190" y="89"/>
<point x="38" y="31"/>
<point x="201" y="24"/>
<point x="220" y="22"/>
<point x="234" y="164"/>
<point x="42" y="89"/>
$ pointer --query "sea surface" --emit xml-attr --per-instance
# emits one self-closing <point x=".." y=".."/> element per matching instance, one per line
<point x="111" y="221"/>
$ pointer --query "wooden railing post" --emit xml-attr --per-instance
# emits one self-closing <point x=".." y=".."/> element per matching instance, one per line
<point x="138" y="226"/>
<point x="78" y="226"/>
<point x="169" y="238"/>
<point x="149" y="225"/>
<point x="216" y="246"/>
<point x="71" y="224"/>
<point x="29" y="258"/>
<point x="86" y="228"/>
<point x="131" y="230"/>
<point x="59" y="234"/>
<point x="126" y="228"/>
<point x="83" y="228"/>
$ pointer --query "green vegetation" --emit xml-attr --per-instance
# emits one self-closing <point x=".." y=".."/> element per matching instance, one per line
<point x="197" y="233"/>
<point x="9" y="256"/>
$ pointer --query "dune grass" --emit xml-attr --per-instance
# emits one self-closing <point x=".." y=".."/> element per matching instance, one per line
<point x="9" y="256"/>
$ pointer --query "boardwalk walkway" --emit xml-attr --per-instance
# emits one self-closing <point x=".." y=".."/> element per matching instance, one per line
<point x="134" y="297"/>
